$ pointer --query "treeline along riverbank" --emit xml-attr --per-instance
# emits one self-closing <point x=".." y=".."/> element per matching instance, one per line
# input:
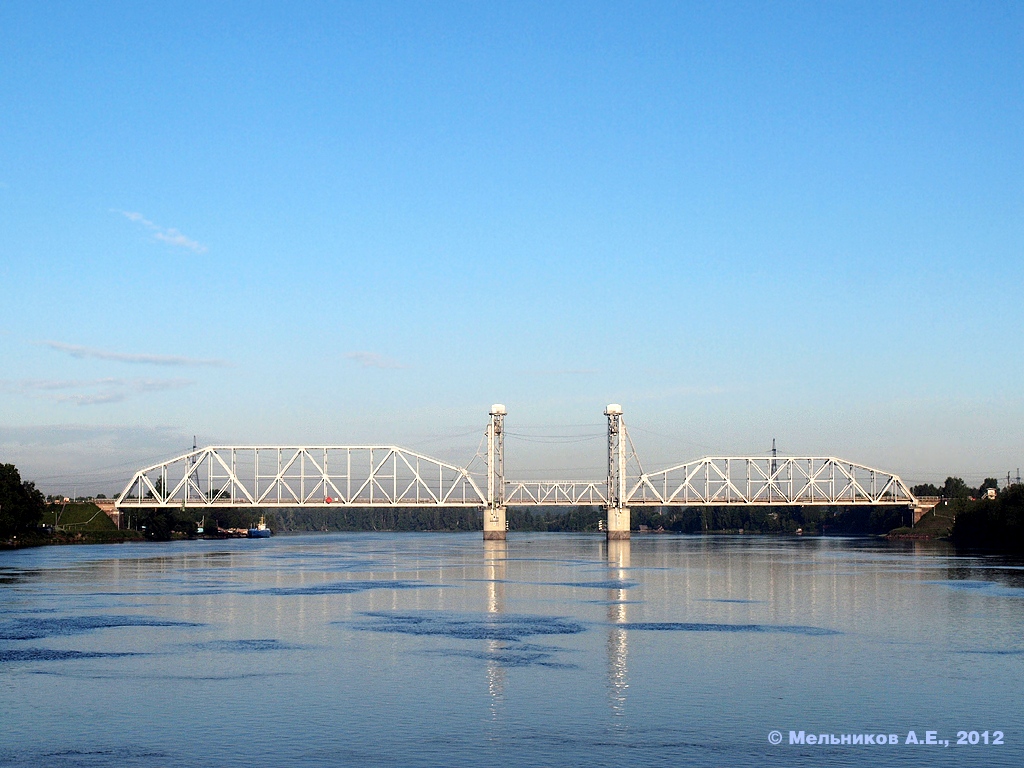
<point x="993" y="520"/>
<point x="991" y="524"/>
<point x="986" y="524"/>
<point x="809" y="520"/>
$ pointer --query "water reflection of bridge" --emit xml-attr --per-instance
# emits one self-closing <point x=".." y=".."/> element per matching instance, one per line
<point x="495" y="565"/>
<point x="271" y="477"/>
<point x="616" y="645"/>
<point x="618" y="640"/>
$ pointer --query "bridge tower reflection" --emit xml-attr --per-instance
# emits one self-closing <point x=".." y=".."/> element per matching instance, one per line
<point x="495" y="555"/>
<point x="617" y="645"/>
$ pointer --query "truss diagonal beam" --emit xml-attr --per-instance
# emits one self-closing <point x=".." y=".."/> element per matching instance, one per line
<point x="556" y="493"/>
<point x="260" y="476"/>
<point x="769" y="480"/>
<point x="265" y="476"/>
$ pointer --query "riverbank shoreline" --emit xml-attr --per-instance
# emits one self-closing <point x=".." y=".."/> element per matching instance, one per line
<point x="60" y="538"/>
<point x="45" y="539"/>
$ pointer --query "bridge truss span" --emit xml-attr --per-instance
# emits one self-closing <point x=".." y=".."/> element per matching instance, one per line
<point x="304" y="476"/>
<point x="271" y="477"/>
<point x="769" y="480"/>
<point x="556" y="493"/>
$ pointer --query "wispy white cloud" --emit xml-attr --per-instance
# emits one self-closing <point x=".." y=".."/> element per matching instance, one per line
<point x="125" y="357"/>
<point x="564" y="372"/>
<point x="174" y="237"/>
<point x="168" y="235"/>
<point x="87" y="458"/>
<point x="91" y="391"/>
<point x="51" y="436"/>
<point x="374" y="360"/>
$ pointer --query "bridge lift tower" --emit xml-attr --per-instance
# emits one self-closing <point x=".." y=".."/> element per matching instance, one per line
<point x="495" y="524"/>
<point x="616" y="489"/>
<point x="618" y="514"/>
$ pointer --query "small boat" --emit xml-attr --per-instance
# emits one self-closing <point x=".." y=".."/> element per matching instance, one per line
<point x="260" y="531"/>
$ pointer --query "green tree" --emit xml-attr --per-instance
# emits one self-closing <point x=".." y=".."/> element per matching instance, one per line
<point x="21" y="505"/>
<point x="184" y="522"/>
<point x="988" y="482"/>
<point x="995" y="525"/>
<point x="161" y="522"/>
<point x="157" y="524"/>
<point x="926" y="489"/>
<point x="159" y="485"/>
<point x="955" y="488"/>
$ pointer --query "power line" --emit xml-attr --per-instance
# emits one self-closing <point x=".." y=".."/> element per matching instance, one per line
<point x="553" y="439"/>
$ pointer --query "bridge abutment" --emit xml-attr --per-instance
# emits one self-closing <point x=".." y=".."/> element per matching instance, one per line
<point x="924" y="505"/>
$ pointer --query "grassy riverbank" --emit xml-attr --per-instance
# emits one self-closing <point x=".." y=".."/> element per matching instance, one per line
<point x="936" y="524"/>
<point x="73" y="523"/>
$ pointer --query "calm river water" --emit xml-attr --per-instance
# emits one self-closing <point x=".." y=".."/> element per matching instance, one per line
<point x="546" y="650"/>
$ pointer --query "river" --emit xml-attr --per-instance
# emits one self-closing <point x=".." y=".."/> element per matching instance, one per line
<point x="423" y="649"/>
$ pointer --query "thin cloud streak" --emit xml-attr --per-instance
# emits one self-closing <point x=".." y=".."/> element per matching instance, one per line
<point x="564" y="372"/>
<point x="87" y="458"/>
<point x="91" y="391"/>
<point x="374" y="360"/>
<point x="123" y="357"/>
<point x="168" y="235"/>
<point x="50" y="436"/>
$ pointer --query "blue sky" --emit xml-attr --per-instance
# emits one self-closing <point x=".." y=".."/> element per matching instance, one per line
<point x="339" y="223"/>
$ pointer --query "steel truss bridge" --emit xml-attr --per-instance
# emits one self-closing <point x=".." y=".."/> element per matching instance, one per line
<point x="270" y="477"/>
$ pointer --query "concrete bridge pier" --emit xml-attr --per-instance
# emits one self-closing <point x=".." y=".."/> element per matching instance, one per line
<point x="618" y="524"/>
<point x="495" y="527"/>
